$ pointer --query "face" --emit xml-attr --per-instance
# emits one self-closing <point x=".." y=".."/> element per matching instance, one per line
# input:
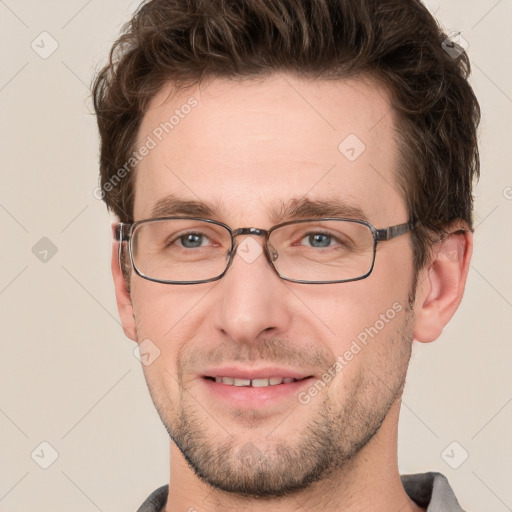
<point x="248" y="150"/>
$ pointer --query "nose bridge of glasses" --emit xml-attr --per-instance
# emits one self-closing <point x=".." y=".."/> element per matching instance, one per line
<point x="257" y="232"/>
<point x="250" y="231"/>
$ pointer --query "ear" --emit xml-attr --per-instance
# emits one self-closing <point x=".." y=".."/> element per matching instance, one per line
<point x="441" y="284"/>
<point x="124" y="302"/>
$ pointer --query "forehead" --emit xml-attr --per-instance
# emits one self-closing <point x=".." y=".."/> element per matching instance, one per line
<point x="251" y="147"/>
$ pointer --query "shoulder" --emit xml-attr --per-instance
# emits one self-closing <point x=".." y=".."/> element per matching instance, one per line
<point x="156" y="501"/>
<point x="431" y="490"/>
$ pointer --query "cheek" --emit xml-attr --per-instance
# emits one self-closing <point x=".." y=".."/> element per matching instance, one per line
<point x="371" y="346"/>
<point x="160" y="315"/>
<point x="168" y="315"/>
<point x="349" y="308"/>
<point x="364" y="319"/>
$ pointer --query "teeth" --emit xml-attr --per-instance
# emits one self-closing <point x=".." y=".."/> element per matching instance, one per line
<point x="259" y="383"/>
<point x="242" y="382"/>
<point x="255" y="383"/>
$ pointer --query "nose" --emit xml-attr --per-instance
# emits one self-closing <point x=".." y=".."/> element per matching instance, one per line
<point x="253" y="298"/>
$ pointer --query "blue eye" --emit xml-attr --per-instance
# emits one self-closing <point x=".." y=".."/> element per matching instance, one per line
<point x="192" y="240"/>
<point x="319" y="239"/>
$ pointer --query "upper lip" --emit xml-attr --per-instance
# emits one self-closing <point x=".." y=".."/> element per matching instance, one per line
<point x="267" y="372"/>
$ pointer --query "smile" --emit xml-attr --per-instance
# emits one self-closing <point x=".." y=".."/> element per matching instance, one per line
<point x="255" y="383"/>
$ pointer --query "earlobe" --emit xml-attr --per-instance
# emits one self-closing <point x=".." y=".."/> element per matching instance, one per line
<point x="441" y="285"/>
<point x="124" y="303"/>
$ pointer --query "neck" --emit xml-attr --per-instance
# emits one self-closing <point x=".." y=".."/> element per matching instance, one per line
<point x="369" y="482"/>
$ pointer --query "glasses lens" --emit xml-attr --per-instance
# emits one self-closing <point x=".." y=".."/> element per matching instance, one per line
<point x="323" y="251"/>
<point x="180" y="249"/>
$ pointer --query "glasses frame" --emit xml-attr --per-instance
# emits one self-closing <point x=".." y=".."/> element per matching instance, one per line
<point x="123" y="233"/>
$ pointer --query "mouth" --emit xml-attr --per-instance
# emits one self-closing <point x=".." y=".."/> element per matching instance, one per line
<point x="255" y="383"/>
<point x="254" y="389"/>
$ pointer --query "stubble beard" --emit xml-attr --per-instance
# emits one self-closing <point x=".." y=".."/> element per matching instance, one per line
<point x="279" y="465"/>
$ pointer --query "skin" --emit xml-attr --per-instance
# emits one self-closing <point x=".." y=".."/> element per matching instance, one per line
<point x="249" y="147"/>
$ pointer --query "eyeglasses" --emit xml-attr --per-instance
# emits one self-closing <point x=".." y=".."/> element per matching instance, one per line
<point x="191" y="250"/>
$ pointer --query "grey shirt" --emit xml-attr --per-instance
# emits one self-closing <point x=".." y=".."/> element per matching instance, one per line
<point x="429" y="490"/>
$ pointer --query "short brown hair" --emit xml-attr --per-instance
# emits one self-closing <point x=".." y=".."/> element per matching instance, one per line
<point x="396" y="42"/>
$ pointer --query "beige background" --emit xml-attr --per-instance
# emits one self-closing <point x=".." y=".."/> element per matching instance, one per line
<point x="68" y="376"/>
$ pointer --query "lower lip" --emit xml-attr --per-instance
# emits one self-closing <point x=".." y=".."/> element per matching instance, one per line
<point x="249" y="397"/>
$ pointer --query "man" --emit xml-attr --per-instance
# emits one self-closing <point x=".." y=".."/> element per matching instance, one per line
<point x="293" y="184"/>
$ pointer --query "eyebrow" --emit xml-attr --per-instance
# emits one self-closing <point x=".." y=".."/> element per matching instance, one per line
<point x="172" y="205"/>
<point x="294" y="209"/>
<point x="305" y="208"/>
